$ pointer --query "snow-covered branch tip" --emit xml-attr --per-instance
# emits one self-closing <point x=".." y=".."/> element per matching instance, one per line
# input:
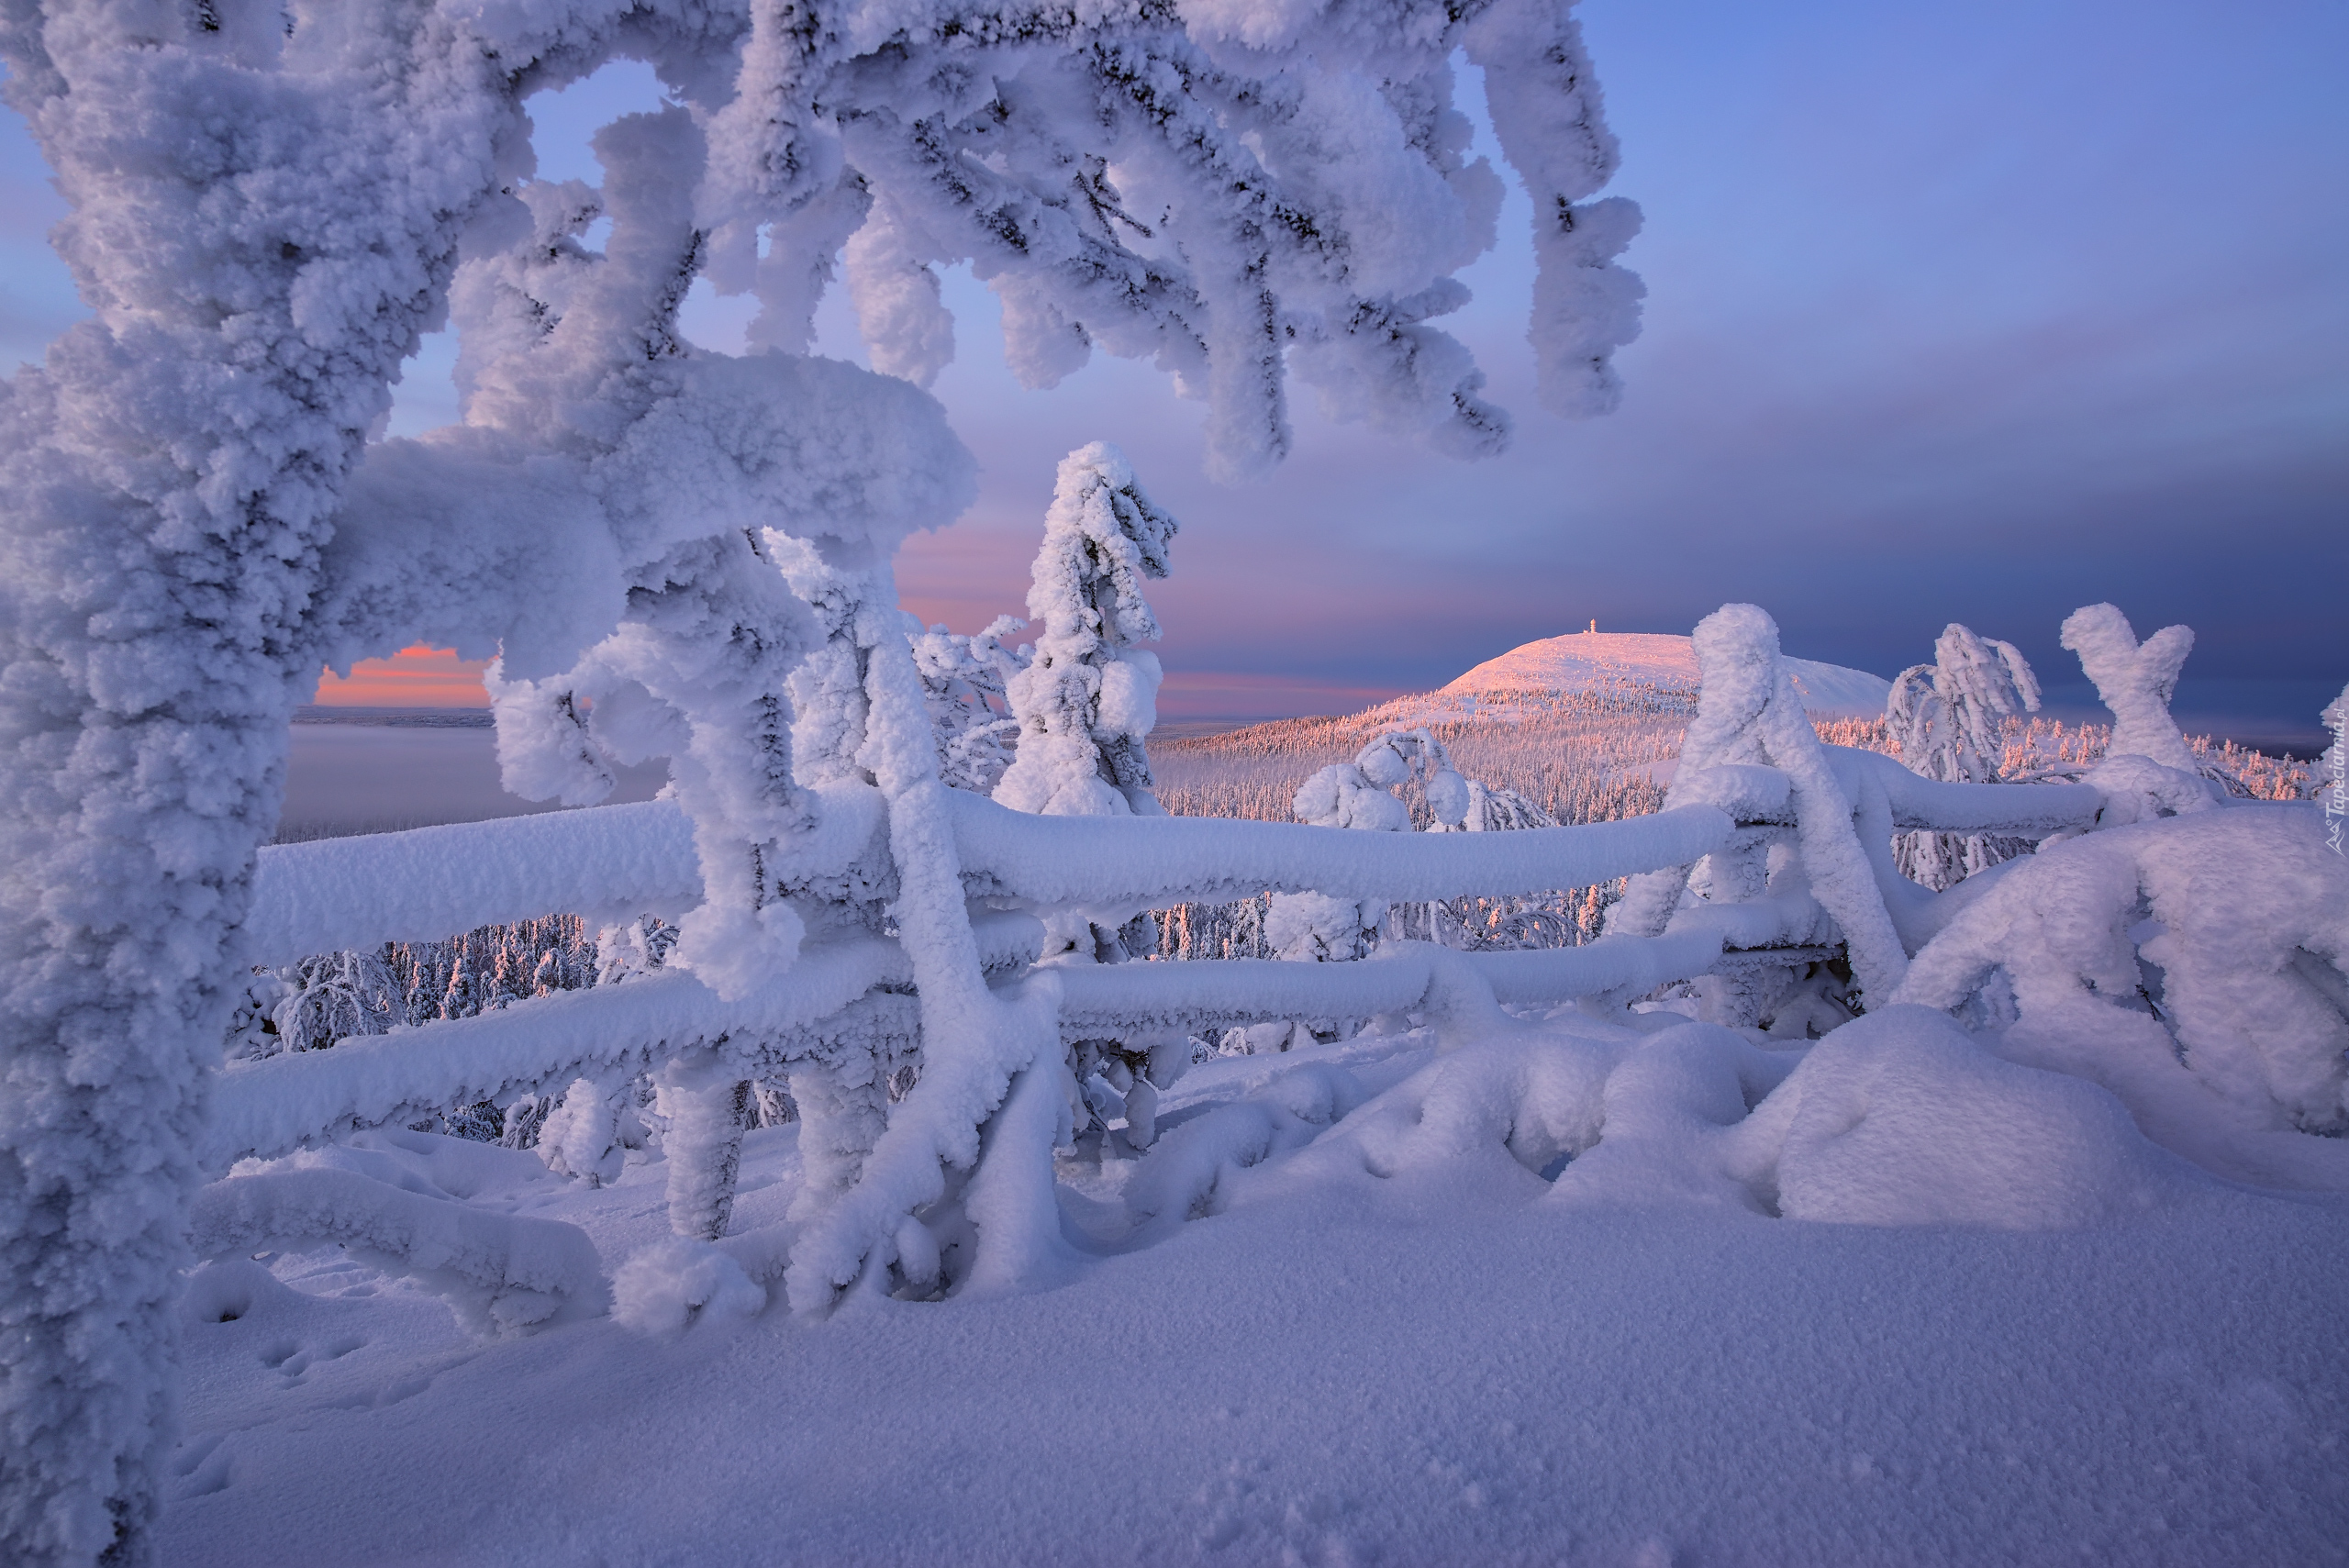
<point x="1231" y="192"/>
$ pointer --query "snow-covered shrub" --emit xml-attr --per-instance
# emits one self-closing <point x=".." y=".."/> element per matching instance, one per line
<point x="1314" y="927"/>
<point x="679" y="1283"/>
<point x="1898" y="1118"/>
<point x="586" y="1134"/>
<point x="1947" y="717"/>
<point x="252" y="1026"/>
<point x="630" y="950"/>
<point x="2193" y="964"/>
<point x="336" y="995"/>
<point x="1948" y="722"/>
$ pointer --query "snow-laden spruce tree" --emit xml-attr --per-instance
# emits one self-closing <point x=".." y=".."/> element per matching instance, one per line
<point x="1087" y="701"/>
<point x="273" y="202"/>
<point x="1316" y="928"/>
<point x="1948" y="718"/>
<point x="1085" y="704"/>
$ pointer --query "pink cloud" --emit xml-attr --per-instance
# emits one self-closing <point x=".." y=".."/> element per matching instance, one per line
<point x="414" y="677"/>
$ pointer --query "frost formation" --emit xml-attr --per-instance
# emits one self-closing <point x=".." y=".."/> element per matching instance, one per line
<point x="890" y="851"/>
<point x="270" y="204"/>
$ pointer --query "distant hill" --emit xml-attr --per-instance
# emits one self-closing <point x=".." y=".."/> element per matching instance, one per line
<point x="1600" y="661"/>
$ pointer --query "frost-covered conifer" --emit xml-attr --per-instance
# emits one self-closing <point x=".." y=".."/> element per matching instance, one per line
<point x="1948" y="717"/>
<point x="1089" y="696"/>
<point x="586" y="1134"/>
<point x="333" y="996"/>
<point x="1313" y="927"/>
<point x="632" y="949"/>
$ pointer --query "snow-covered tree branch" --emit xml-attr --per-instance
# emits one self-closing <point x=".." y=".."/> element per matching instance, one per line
<point x="271" y="204"/>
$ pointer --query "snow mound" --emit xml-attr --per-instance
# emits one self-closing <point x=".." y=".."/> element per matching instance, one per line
<point x="1584" y="659"/>
<point x="1900" y="1119"/>
<point x="403" y="1201"/>
<point x="1903" y="1118"/>
<point x="678" y="1281"/>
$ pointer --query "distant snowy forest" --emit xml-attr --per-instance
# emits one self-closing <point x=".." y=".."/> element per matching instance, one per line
<point x="891" y="1193"/>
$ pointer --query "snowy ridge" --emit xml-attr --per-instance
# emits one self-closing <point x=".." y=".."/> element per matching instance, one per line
<point x="1587" y="660"/>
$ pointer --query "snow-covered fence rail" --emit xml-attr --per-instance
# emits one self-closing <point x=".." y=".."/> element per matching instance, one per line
<point x="266" y="1108"/>
<point x="422" y="884"/>
<point x="1146" y="998"/>
<point x="1164" y="860"/>
<point x="404" y="886"/>
<point x="2034" y="812"/>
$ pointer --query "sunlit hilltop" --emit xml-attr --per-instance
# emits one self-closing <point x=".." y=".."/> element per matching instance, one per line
<point x="1582" y="661"/>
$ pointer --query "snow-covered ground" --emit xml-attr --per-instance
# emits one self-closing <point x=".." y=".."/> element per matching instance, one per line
<point x="1959" y="1311"/>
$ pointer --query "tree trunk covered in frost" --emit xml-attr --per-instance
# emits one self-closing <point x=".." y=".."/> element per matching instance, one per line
<point x="172" y="474"/>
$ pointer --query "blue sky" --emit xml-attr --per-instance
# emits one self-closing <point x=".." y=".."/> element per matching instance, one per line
<point x="1955" y="312"/>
